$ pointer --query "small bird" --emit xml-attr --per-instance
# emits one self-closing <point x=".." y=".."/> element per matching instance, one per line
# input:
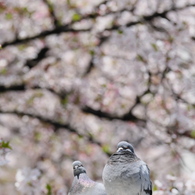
<point x="126" y="174"/>
<point x="82" y="184"/>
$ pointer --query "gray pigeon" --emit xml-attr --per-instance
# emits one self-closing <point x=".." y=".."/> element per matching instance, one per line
<point x="82" y="184"/>
<point x="126" y="174"/>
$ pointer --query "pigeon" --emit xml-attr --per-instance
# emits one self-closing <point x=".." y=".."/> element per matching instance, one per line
<point x="82" y="184"/>
<point x="125" y="173"/>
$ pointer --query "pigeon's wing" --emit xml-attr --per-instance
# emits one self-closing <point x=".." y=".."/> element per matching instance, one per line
<point x="146" y="184"/>
<point x="76" y="188"/>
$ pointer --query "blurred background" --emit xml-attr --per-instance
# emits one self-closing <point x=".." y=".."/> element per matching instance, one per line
<point x="77" y="77"/>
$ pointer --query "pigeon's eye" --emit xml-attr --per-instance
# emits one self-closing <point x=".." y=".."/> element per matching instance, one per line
<point x="127" y="149"/>
<point x="123" y="149"/>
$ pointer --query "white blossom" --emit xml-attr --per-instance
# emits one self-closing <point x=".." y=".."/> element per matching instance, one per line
<point x="27" y="181"/>
<point x="3" y="152"/>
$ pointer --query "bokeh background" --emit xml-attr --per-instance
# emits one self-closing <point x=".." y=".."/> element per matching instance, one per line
<point x="78" y="76"/>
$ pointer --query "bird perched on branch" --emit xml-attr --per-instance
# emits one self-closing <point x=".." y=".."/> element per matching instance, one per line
<point x="126" y="174"/>
<point x="82" y="184"/>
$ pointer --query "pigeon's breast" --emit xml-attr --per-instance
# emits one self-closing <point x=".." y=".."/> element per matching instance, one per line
<point x="122" y="178"/>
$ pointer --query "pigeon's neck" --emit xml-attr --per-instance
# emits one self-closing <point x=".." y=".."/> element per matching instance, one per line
<point x="124" y="157"/>
<point x="85" y="181"/>
<point x="83" y="177"/>
<point x="81" y="182"/>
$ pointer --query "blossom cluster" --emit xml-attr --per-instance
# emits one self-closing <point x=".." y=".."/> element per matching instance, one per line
<point x="5" y="148"/>
<point x="175" y="186"/>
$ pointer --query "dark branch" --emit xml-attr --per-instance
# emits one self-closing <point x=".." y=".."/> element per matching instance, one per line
<point x="23" y="87"/>
<point x="129" y="115"/>
<point x="67" y="28"/>
<point x="52" y="13"/>
<point x="117" y="27"/>
<point x="57" y="30"/>
<point x="55" y="124"/>
<point x="165" y="12"/>
<point x="102" y="39"/>
<point x="90" y="66"/>
<point x="61" y="94"/>
<point x="19" y="87"/>
<point x="40" y="56"/>
<point x="101" y="114"/>
<point x="102" y="3"/>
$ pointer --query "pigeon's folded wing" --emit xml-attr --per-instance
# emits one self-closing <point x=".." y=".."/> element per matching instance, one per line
<point x="146" y="188"/>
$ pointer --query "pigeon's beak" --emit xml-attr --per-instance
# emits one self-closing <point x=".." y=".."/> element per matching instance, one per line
<point x="120" y="149"/>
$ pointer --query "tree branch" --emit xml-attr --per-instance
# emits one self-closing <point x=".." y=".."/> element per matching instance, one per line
<point x="19" y="87"/>
<point x="52" y="13"/>
<point x="101" y="114"/>
<point x="67" y="27"/>
<point x="40" y="56"/>
<point x="23" y="87"/>
<point x="57" y="125"/>
<point x="43" y="34"/>
<point x="102" y="39"/>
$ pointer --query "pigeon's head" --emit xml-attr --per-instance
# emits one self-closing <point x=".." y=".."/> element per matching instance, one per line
<point x="124" y="146"/>
<point x="78" y="168"/>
